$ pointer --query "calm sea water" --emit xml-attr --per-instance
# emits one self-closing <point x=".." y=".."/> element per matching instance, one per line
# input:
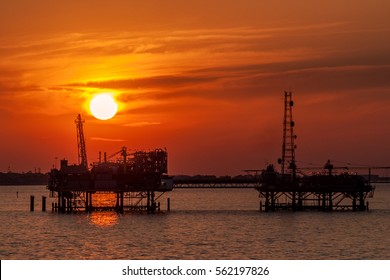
<point x="202" y="224"/>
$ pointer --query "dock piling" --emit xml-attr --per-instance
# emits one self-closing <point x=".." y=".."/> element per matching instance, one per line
<point x="32" y="203"/>
<point x="43" y="203"/>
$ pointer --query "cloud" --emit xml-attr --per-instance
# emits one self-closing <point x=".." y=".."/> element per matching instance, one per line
<point x="107" y="139"/>
<point x="168" y="43"/>
<point x="226" y="64"/>
<point x="141" y="124"/>
<point x="146" y="83"/>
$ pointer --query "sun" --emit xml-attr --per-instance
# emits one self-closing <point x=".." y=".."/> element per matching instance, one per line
<point x="103" y="106"/>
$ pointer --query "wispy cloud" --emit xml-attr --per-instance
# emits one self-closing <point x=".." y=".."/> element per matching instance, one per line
<point x="141" y="124"/>
<point x="107" y="139"/>
<point x="159" y="68"/>
<point x="171" y="81"/>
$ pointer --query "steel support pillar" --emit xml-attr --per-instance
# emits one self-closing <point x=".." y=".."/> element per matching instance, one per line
<point x="266" y="207"/>
<point x="330" y="201"/>
<point x="362" y="207"/>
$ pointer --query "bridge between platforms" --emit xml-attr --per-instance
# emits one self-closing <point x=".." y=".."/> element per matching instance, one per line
<point x="216" y="183"/>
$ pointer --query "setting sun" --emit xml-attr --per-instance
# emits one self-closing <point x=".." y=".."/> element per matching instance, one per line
<point x="103" y="106"/>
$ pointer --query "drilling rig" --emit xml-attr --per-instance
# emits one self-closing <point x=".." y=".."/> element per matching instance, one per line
<point x="132" y="176"/>
<point x="322" y="191"/>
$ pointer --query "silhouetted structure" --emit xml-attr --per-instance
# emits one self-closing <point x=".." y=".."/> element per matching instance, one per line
<point x="322" y="191"/>
<point x="325" y="190"/>
<point x="82" y="151"/>
<point x="288" y="148"/>
<point x="141" y="176"/>
<point x="134" y="177"/>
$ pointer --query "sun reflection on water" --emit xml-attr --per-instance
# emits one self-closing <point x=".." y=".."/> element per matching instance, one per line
<point x="103" y="199"/>
<point x="103" y="218"/>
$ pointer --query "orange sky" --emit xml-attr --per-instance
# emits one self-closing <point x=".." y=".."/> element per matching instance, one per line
<point x="205" y="79"/>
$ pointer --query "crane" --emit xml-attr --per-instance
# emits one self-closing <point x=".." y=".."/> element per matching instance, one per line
<point x="124" y="154"/>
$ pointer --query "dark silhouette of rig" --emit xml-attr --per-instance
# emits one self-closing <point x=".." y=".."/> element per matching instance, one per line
<point x="296" y="188"/>
<point x="134" y="177"/>
<point x="292" y="189"/>
<point x="139" y="178"/>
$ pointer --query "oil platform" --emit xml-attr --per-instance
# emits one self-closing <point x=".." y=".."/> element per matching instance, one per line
<point x="137" y="179"/>
<point x="324" y="190"/>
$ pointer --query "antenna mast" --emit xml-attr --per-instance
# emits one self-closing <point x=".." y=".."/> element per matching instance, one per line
<point x="81" y="142"/>
<point x="288" y="149"/>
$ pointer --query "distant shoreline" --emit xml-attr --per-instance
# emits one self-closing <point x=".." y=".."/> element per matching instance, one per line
<point x="29" y="178"/>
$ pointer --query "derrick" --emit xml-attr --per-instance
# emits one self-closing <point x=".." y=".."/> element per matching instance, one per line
<point x="82" y="152"/>
<point x="287" y="161"/>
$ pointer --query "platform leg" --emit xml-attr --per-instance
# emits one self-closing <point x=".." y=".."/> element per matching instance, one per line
<point x="361" y="202"/>
<point x="294" y="201"/>
<point x="86" y="202"/>
<point x="121" y="210"/>
<point x="266" y="208"/>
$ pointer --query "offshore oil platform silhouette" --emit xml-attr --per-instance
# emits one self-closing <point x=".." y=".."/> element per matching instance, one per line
<point x="139" y="178"/>
<point x="133" y="177"/>
<point x="320" y="190"/>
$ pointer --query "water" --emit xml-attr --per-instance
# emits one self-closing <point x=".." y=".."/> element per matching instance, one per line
<point x="202" y="224"/>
